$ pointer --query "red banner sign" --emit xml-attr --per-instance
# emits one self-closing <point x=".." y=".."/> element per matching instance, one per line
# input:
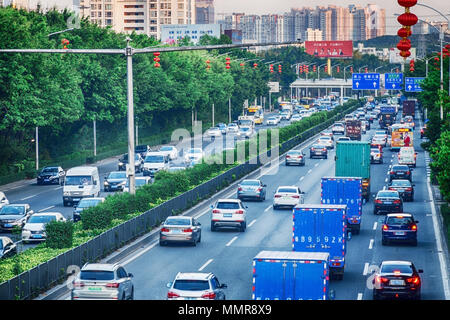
<point x="330" y="49"/>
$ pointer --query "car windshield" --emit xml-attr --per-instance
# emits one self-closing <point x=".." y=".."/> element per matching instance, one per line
<point x="1" y="243"/>
<point x="325" y="138"/>
<point x="227" y="205"/>
<point x="318" y="146"/>
<point x="191" y="285"/>
<point x="195" y="151"/>
<point x="154" y="159"/>
<point x="287" y="190"/>
<point x="387" y="194"/>
<point x="407" y="150"/>
<point x="178" y="222"/>
<point x="41" y="219"/>
<point x="294" y="153"/>
<point x="399" y="220"/>
<point x="272" y="118"/>
<point x="50" y="170"/>
<point x="391" y="268"/>
<point x="117" y="175"/>
<point x="245" y="129"/>
<point x="12" y="210"/>
<point x="215" y="128"/>
<point x="96" y="275"/>
<point x="250" y="183"/>
<point x="400" y="168"/>
<point x="86" y="203"/>
<point x="375" y="150"/>
<point x="141" y="148"/>
<point x="166" y="148"/>
<point x="401" y="183"/>
<point x="78" y="180"/>
<point x="380" y="133"/>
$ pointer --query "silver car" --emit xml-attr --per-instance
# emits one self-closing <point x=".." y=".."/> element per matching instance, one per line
<point x="98" y="281"/>
<point x="196" y="286"/>
<point x="180" y="229"/>
<point x="295" y="157"/>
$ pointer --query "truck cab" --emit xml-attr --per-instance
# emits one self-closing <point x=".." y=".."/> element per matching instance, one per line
<point x="80" y="182"/>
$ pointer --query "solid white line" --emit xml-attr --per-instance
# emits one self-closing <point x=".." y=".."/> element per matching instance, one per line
<point x="366" y="268"/>
<point x="360" y="296"/>
<point x="28" y="197"/>
<point x="231" y="241"/>
<point x="46" y="208"/>
<point x="206" y="264"/>
<point x="139" y="254"/>
<point x="375" y="225"/>
<point x="251" y="223"/>
<point x="371" y="244"/>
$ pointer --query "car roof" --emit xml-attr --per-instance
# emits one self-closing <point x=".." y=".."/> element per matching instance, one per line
<point x="16" y="205"/>
<point x="82" y="171"/>
<point x="399" y="214"/>
<point x="99" y="266"/>
<point x="292" y="187"/>
<point x="193" y="276"/>
<point x="46" y="214"/>
<point x="154" y="153"/>
<point x="229" y="200"/>
<point x="406" y="263"/>
<point x="96" y="198"/>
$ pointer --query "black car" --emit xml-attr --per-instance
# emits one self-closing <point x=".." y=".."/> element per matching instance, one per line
<point x="318" y="150"/>
<point x="404" y="187"/>
<point x="142" y="150"/>
<point x="51" y="175"/>
<point x="14" y="215"/>
<point x="400" y="171"/>
<point x="399" y="227"/>
<point x="138" y="162"/>
<point x="397" y="279"/>
<point x="7" y="247"/>
<point x="387" y="201"/>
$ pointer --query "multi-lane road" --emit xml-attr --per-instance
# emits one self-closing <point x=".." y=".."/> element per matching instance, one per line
<point x="228" y="254"/>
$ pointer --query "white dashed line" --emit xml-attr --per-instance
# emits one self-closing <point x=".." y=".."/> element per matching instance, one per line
<point x="46" y="208"/>
<point x="231" y="241"/>
<point x="366" y="268"/>
<point x="386" y="180"/>
<point x="317" y="164"/>
<point x="28" y="197"/>
<point x="309" y="171"/>
<point x="301" y="179"/>
<point x="251" y="223"/>
<point x="205" y="265"/>
<point x="267" y="209"/>
<point x="375" y="225"/>
<point x="371" y="244"/>
<point x="360" y="296"/>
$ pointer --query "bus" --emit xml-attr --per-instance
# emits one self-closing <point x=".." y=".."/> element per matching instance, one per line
<point x="246" y="121"/>
<point x="399" y="132"/>
<point x="306" y="102"/>
<point x="256" y="112"/>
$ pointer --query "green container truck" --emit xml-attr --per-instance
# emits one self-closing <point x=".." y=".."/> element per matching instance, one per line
<point x="353" y="160"/>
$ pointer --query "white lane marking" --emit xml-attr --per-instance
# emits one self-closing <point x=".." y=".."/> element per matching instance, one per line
<point x="360" y="296"/>
<point x="302" y="178"/>
<point x="267" y="209"/>
<point x="386" y="180"/>
<point x="375" y="225"/>
<point x="309" y="171"/>
<point x="132" y="258"/>
<point x="251" y="223"/>
<point x="14" y="188"/>
<point x="231" y="241"/>
<point x="28" y="197"/>
<point x="57" y="188"/>
<point x="205" y="265"/>
<point x="366" y="269"/>
<point x="316" y="164"/>
<point x="371" y="244"/>
<point x="429" y="215"/>
<point x="46" y="208"/>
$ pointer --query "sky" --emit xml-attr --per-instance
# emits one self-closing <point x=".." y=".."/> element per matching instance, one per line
<point x="280" y="6"/>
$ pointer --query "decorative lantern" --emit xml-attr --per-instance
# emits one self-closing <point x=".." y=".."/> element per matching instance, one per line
<point x="314" y="68"/>
<point x="337" y="69"/>
<point x="404" y="32"/>
<point x="405" y="54"/>
<point x="411" y="66"/>
<point x="157" y="59"/>
<point x="271" y="68"/>
<point x="227" y="63"/>
<point x="65" y="43"/>
<point x="407" y="19"/>
<point x="403" y="45"/>
<point x="351" y="69"/>
<point x="208" y="66"/>
<point x="366" y="70"/>
<point x="407" y="3"/>
<point x="255" y="65"/>
<point x="300" y="69"/>
<point x="279" y="68"/>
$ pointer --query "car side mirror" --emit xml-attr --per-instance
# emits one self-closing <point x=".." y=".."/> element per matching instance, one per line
<point x="420" y="271"/>
<point x="416" y="221"/>
<point x="211" y="206"/>
<point x="169" y="285"/>
<point x="130" y="275"/>
<point x="246" y="207"/>
<point x="264" y="185"/>
<point x="223" y="286"/>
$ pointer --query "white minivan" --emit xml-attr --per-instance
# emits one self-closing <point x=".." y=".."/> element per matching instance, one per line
<point x="80" y="182"/>
<point x="407" y="156"/>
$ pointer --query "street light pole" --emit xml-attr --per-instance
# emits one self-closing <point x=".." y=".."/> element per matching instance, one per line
<point x="131" y="167"/>
<point x="37" y="148"/>
<point x="94" y="128"/>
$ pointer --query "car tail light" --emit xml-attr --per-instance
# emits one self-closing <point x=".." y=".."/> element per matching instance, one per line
<point x="78" y="284"/>
<point x="391" y="188"/>
<point x="259" y="189"/>
<point x="385" y="227"/>
<point x="171" y="294"/>
<point x="382" y="279"/>
<point x="216" y="211"/>
<point x="209" y="295"/>
<point x="165" y="230"/>
<point x="277" y="196"/>
<point x="414" y="227"/>
<point x="408" y="189"/>
<point x="413" y="280"/>
<point x="378" y="201"/>
<point x="408" y="172"/>
<point x="239" y="189"/>
<point x="239" y="212"/>
<point x="392" y="172"/>
<point x="397" y="201"/>
<point x="296" y="197"/>
<point x="288" y="157"/>
<point x="324" y="149"/>
<point x="187" y="230"/>
<point x="312" y="149"/>
<point x="112" y="285"/>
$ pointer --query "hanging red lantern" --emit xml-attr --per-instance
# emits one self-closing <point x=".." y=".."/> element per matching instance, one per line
<point x="279" y="68"/>
<point x="300" y="69"/>
<point x="403" y="45"/>
<point x="255" y="65"/>
<point x="351" y="69"/>
<point x="156" y="59"/>
<point x="407" y="3"/>
<point x="404" y="32"/>
<point x="337" y="69"/>
<point x="65" y="43"/>
<point x="407" y="19"/>
<point x="405" y="54"/>
<point x="227" y="63"/>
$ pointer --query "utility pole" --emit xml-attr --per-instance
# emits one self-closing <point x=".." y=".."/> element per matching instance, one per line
<point x="213" y="114"/>
<point x="94" y="128"/>
<point x="131" y="168"/>
<point x="37" y="148"/>
<point x="229" y="110"/>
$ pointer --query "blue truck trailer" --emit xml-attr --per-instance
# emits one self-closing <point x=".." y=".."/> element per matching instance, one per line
<point x="322" y="228"/>
<point x="348" y="191"/>
<point x="287" y="275"/>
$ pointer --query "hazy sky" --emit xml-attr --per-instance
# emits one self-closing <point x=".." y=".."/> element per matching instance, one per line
<point x="281" y="6"/>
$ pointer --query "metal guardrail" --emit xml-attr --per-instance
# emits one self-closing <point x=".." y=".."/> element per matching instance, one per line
<point x="32" y="282"/>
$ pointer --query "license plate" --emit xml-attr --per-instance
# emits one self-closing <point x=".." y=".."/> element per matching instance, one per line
<point x="8" y="225"/>
<point x="388" y="202"/>
<point x="95" y="289"/>
<point x="397" y="282"/>
<point x="37" y="236"/>
<point x="190" y="298"/>
<point x="227" y="215"/>
<point x="176" y="231"/>
<point x="76" y="199"/>
<point x="46" y="180"/>
<point x="401" y="173"/>
<point x="400" y="233"/>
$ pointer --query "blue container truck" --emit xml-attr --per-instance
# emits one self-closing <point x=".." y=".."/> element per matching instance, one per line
<point x="322" y="228"/>
<point x="287" y="275"/>
<point x="348" y="191"/>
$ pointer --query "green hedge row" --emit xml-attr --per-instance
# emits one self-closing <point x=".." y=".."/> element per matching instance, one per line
<point x="122" y="207"/>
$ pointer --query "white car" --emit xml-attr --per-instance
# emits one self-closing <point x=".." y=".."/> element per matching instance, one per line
<point x="228" y="213"/>
<point x="213" y="132"/>
<point x="245" y="132"/>
<point x="169" y="151"/>
<point x="3" y="200"/>
<point x="338" y="128"/>
<point x="288" y="196"/>
<point x="407" y="155"/>
<point x="326" y="141"/>
<point x="139" y="182"/>
<point x="232" y="128"/>
<point x="34" y="229"/>
<point x="296" y="117"/>
<point x="272" y="121"/>
<point x="379" y="140"/>
<point x="195" y="154"/>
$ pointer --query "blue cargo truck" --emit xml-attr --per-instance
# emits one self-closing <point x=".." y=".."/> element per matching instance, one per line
<point x="348" y="191"/>
<point x="287" y="275"/>
<point x="322" y="228"/>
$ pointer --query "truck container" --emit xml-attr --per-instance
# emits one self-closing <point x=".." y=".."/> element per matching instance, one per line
<point x="287" y="275"/>
<point x="322" y="228"/>
<point x="344" y="191"/>
<point x="353" y="160"/>
<point x="353" y="129"/>
<point x="409" y="108"/>
<point x="387" y="116"/>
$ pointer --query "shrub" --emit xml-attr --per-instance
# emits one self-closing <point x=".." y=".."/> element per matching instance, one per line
<point x="59" y="234"/>
<point x="98" y="217"/>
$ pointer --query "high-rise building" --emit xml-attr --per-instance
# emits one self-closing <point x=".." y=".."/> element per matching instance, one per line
<point x="313" y="35"/>
<point x="204" y="12"/>
<point x="377" y="21"/>
<point x="360" y="16"/>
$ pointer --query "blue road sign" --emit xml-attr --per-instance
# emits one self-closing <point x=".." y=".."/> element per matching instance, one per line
<point x="412" y="84"/>
<point x="393" y="81"/>
<point x="366" y="81"/>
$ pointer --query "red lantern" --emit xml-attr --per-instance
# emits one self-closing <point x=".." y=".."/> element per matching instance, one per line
<point x="314" y="68"/>
<point x="404" y="32"/>
<point x="403" y="45"/>
<point x="366" y="70"/>
<point x="157" y="59"/>
<point x="300" y="69"/>
<point x="407" y="3"/>
<point x="227" y="63"/>
<point x="396" y="70"/>
<point x="337" y="69"/>
<point x="279" y="68"/>
<point x="65" y="43"/>
<point x="326" y="69"/>
<point x="351" y="69"/>
<point x="407" y="19"/>
<point x="405" y="54"/>
<point x="255" y="65"/>
<point x="157" y="65"/>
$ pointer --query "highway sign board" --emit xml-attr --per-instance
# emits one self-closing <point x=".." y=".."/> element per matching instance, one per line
<point x="412" y="84"/>
<point x="366" y="81"/>
<point x="274" y="86"/>
<point x="393" y="81"/>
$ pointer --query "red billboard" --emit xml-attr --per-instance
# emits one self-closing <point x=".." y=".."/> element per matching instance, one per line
<point x="330" y="49"/>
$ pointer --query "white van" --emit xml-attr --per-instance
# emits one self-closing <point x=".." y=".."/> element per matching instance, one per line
<point x="80" y="182"/>
<point x="407" y="156"/>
